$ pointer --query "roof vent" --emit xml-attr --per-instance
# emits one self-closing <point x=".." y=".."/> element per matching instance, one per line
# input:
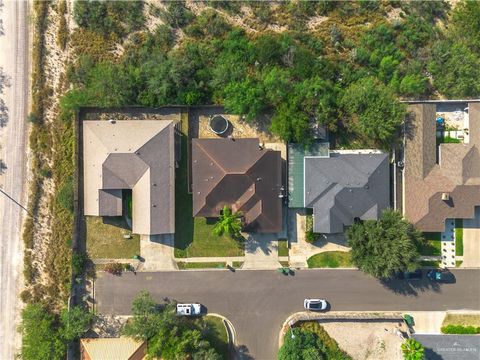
<point x="445" y="196"/>
<point x="111" y="121"/>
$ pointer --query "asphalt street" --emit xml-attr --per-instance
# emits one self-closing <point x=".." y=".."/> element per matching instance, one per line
<point x="258" y="302"/>
<point x="14" y="61"/>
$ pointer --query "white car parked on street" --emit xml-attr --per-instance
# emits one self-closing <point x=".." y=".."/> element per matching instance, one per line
<point x="189" y="309"/>
<point x="315" y="304"/>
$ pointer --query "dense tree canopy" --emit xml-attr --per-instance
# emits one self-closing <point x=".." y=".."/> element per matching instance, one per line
<point x="343" y="76"/>
<point x="46" y="336"/>
<point x="169" y="336"/>
<point x="374" y="109"/>
<point x="384" y="247"/>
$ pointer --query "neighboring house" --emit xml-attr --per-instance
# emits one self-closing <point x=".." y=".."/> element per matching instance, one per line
<point x="450" y="347"/>
<point x="122" y="348"/>
<point x="440" y="181"/>
<point x="239" y="174"/>
<point x="136" y="156"/>
<point x="338" y="185"/>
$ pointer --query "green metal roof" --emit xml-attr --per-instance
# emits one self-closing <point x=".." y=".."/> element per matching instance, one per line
<point x="296" y="154"/>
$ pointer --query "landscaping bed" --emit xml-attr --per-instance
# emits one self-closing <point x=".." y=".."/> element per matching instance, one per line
<point x="459" y="237"/>
<point x="330" y="259"/>
<point x="430" y="263"/>
<point x="104" y="238"/>
<point x="462" y="319"/>
<point x="283" y="247"/>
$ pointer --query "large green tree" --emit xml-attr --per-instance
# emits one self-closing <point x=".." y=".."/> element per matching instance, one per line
<point x="168" y="336"/>
<point x="301" y="345"/>
<point x="228" y="223"/>
<point x="382" y="248"/>
<point x="75" y="322"/>
<point x="40" y="336"/>
<point x="413" y="350"/>
<point x="46" y="335"/>
<point x="372" y="108"/>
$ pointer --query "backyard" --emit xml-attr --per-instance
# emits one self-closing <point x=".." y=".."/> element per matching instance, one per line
<point x="105" y="238"/>
<point x="193" y="236"/>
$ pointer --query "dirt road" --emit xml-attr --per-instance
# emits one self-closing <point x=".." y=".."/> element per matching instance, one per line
<point x="14" y="60"/>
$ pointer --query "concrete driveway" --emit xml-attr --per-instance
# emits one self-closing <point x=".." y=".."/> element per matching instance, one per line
<point x="261" y="252"/>
<point x="471" y="241"/>
<point x="258" y="302"/>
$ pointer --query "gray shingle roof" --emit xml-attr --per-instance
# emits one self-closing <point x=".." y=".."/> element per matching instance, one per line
<point x="136" y="155"/>
<point x="345" y="186"/>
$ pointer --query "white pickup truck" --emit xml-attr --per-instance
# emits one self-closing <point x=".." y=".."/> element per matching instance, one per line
<point x="189" y="309"/>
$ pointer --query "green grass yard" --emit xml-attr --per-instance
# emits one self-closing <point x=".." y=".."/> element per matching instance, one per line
<point x="217" y="335"/>
<point x="430" y="263"/>
<point x="459" y="237"/>
<point x="330" y="259"/>
<point x="104" y="237"/>
<point x="432" y="245"/>
<point x="193" y="236"/>
<point x="201" y="265"/>
<point x="283" y="247"/>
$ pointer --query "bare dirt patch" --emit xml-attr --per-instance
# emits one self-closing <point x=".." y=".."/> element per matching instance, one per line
<point x="367" y="340"/>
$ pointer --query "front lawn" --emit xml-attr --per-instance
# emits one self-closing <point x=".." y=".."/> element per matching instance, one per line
<point x="430" y="263"/>
<point x="104" y="237"/>
<point x="459" y="237"/>
<point x="217" y="335"/>
<point x="330" y="259"/>
<point x="462" y="319"/>
<point x="193" y="236"/>
<point x="432" y="245"/>
<point x="201" y="265"/>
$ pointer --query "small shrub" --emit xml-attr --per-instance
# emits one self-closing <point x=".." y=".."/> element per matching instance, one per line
<point x="309" y="234"/>
<point x="26" y="296"/>
<point x="78" y="263"/>
<point x="114" y="268"/>
<point x="65" y="196"/>
<point x="46" y="172"/>
<point x="460" y="329"/>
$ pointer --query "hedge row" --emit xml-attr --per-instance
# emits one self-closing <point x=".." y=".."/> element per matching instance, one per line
<point x="460" y="329"/>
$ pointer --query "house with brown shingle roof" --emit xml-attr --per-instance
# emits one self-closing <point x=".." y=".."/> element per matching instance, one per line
<point x="239" y="174"/>
<point x="136" y="155"/>
<point x="440" y="181"/>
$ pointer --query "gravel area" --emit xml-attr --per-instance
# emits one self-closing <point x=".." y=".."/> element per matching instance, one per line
<point x="367" y="340"/>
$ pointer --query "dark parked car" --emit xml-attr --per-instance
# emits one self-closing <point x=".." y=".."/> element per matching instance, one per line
<point x="440" y="275"/>
<point x="410" y="275"/>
